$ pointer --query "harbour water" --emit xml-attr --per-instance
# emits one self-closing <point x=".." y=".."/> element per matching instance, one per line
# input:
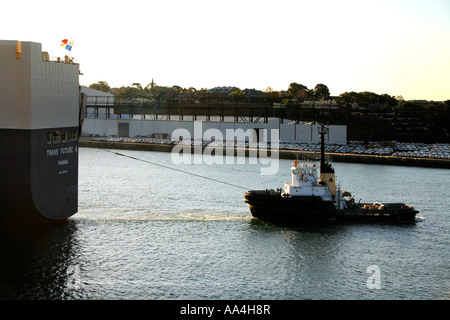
<point x="146" y="232"/>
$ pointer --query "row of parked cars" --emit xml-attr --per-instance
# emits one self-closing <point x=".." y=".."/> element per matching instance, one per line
<point x="400" y="149"/>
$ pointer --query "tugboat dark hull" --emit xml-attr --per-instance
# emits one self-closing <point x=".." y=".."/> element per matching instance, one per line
<point x="271" y="206"/>
<point x="390" y="213"/>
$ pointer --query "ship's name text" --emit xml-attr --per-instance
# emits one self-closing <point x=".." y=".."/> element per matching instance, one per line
<point x="63" y="150"/>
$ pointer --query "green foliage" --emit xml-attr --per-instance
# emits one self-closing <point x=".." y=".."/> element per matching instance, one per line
<point x="321" y="92"/>
<point x="367" y="99"/>
<point x="101" y="86"/>
<point x="136" y="91"/>
<point x="300" y="93"/>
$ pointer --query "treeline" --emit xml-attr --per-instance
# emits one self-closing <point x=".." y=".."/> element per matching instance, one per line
<point x="150" y="91"/>
<point x="368" y="99"/>
<point x="296" y="94"/>
<point x="429" y="121"/>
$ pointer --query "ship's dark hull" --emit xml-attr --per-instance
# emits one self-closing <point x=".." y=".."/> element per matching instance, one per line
<point x="271" y="206"/>
<point x="39" y="178"/>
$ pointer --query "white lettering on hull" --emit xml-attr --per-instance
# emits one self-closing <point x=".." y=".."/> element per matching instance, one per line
<point x="66" y="150"/>
<point x="62" y="150"/>
<point x="52" y="152"/>
<point x="63" y="162"/>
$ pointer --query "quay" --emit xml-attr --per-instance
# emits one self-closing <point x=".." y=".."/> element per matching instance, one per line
<point x="165" y="146"/>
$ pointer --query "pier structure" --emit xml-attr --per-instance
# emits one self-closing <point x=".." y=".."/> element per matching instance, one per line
<point x="104" y="117"/>
<point x="363" y="124"/>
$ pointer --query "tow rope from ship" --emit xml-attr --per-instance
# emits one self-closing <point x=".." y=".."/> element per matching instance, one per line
<point x="175" y="169"/>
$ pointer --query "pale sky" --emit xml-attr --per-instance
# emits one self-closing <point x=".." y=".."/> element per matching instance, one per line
<point x="398" y="47"/>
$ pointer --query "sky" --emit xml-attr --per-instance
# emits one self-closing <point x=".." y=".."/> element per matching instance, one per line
<point x="397" y="47"/>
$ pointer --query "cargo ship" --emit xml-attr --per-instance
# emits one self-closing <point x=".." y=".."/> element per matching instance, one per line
<point x="40" y="124"/>
<point x="313" y="196"/>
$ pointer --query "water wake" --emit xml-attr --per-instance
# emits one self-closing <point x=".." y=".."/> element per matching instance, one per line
<point x="116" y="214"/>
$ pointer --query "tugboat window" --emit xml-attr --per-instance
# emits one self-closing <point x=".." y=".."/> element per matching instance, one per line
<point x="49" y="138"/>
<point x="64" y="136"/>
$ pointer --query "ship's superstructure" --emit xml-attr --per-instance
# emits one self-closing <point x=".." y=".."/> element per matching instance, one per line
<point x="39" y="131"/>
<point x="304" y="182"/>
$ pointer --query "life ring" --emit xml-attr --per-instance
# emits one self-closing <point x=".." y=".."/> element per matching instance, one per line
<point x="305" y="179"/>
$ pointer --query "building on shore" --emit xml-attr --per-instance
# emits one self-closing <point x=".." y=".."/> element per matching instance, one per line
<point x="101" y="120"/>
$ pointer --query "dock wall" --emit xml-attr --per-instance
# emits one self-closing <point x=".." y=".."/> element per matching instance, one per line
<point x="288" y="131"/>
<point x="285" y="154"/>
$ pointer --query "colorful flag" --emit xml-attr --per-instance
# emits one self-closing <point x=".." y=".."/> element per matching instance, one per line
<point x="67" y="44"/>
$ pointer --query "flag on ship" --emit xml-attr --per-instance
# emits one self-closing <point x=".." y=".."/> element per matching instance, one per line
<point x="67" y="44"/>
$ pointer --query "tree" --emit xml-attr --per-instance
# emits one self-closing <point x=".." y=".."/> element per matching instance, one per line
<point x="321" y="92"/>
<point x="294" y="88"/>
<point x="367" y="99"/>
<point x="268" y="89"/>
<point x="137" y="86"/>
<point x="129" y="93"/>
<point x="101" y="85"/>
<point x="299" y="91"/>
<point x="272" y="95"/>
<point x="347" y="98"/>
<point x="158" y="92"/>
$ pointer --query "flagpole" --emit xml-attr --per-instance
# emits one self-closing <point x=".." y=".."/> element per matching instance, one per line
<point x="70" y="51"/>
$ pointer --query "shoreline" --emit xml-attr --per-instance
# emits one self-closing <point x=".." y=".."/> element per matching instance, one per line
<point x="283" y="154"/>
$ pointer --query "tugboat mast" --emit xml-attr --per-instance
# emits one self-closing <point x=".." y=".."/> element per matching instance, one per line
<point x="322" y="130"/>
<point x="327" y="177"/>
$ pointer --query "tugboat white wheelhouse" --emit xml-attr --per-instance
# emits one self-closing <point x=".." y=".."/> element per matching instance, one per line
<point x="39" y="130"/>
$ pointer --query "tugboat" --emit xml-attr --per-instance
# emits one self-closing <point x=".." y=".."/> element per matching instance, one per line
<point x="309" y="198"/>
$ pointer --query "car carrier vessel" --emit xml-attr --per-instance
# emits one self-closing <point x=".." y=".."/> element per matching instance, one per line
<point x="40" y="124"/>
